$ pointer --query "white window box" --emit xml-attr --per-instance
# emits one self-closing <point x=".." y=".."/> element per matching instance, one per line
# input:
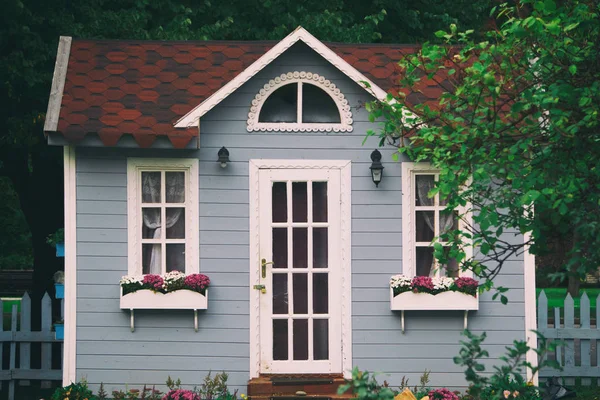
<point x="409" y="301"/>
<point x="441" y="301"/>
<point x="178" y="300"/>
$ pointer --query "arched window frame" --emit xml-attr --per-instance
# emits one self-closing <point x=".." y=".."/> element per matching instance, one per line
<point x="296" y="77"/>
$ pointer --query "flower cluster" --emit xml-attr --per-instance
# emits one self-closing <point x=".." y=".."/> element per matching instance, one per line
<point x="181" y="394"/>
<point x="197" y="282"/>
<point x="467" y="285"/>
<point x="442" y="394"/>
<point x="426" y="284"/>
<point x="169" y="282"/>
<point x="152" y="281"/>
<point x="508" y="394"/>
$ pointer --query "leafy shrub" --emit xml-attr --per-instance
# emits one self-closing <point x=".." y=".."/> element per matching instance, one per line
<point x="75" y="391"/>
<point x="364" y="385"/>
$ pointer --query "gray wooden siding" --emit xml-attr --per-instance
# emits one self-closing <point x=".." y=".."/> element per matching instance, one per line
<point x="166" y="344"/>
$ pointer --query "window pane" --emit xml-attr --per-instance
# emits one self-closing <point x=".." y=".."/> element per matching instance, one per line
<point x="320" y="249"/>
<point x="280" y="339"/>
<point x="300" y="237"/>
<point x="280" y="248"/>
<point x="300" y="339"/>
<point x="424" y="226"/>
<point x="151" y="223"/>
<point x="175" y="223"/>
<point x="281" y="105"/>
<point x="300" y="293"/>
<point x="318" y="106"/>
<point x="279" y="205"/>
<point x="423" y="184"/>
<point x="280" y="294"/>
<point x="320" y="294"/>
<point x="319" y="201"/>
<point x="424" y="261"/>
<point x="151" y="259"/>
<point x="448" y="221"/>
<point x="151" y="187"/>
<point x="320" y="339"/>
<point x="175" y="191"/>
<point x="450" y="269"/>
<point x="176" y="257"/>
<point x="299" y="202"/>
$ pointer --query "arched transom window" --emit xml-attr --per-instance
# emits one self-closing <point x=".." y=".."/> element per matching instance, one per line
<point x="300" y="102"/>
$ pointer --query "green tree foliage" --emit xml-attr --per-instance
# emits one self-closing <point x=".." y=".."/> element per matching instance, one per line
<point x="29" y="31"/>
<point x="516" y="132"/>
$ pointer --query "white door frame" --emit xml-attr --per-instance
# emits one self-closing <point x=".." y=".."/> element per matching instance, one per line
<point x="345" y="249"/>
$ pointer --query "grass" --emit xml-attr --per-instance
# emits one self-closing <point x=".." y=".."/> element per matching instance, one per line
<point x="7" y="304"/>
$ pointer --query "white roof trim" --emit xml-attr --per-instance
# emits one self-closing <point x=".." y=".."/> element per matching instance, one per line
<point x="58" y="84"/>
<point x="192" y="118"/>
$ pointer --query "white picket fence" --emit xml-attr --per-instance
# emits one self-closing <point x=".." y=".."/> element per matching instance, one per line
<point x="19" y="334"/>
<point x="579" y="356"/>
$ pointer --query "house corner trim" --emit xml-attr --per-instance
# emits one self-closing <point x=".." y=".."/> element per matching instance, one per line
<point x="58" y="84"/>
<point x="530" y="308"/>
<point x="70" y="341"/>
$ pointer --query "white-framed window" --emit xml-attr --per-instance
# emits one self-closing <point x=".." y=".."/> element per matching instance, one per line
<point x="300" y="102"/>
<point x="162" y="208"/>
<point x="424" y="219"/>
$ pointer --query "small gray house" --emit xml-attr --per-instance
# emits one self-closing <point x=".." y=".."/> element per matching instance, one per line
<point x="244" y="162"/>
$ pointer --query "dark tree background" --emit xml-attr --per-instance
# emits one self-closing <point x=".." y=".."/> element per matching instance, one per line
<point x="31" y="175"/>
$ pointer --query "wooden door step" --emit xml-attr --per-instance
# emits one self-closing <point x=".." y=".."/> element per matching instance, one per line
<point x="293" y="381"/>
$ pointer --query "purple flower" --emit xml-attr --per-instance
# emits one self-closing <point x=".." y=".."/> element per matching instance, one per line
<point x="196" y="282"/>
<point x="442" y="394"/>
<point x="422" y="284"/>
<point x="154" y="282"/>
<point x="181" y="394"/>
<point x="467" y="285"/>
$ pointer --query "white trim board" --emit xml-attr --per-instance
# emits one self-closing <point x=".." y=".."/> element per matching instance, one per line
<point x="300" y="34"/>
<point x="530" y="308"/>
<point x="70" y="315"/>
<point x="345" y="247"/>
<point x="58" y="84"/>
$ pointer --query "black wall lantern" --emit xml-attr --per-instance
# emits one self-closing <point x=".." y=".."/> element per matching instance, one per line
<point x="223" y="157"/>
<point x="376" y="167"/>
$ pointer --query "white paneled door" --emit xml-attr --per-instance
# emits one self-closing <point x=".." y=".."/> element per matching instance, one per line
<point x="300" y="276"/>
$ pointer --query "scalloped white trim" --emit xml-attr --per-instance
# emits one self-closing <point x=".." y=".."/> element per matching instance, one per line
<point x="298" y="77"/>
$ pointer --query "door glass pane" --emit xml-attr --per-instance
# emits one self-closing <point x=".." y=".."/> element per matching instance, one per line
<point x="321" y="339"/>
<point x="176" y="257"/>
<point x="300" y="339"/>
<point x="151" y="259"/>
<point x="175" y="223"/>
<point x="319" y="201"/>
<point x="320" y="294"/>
<point x="175" y="190"/>
<point x="320" y="253"/>
<point x="300" y="236"/>
<point x="279" y="205"/>
<point x="424" y="261"/>
<point x="280" y="339"/>
<point x="299" y="208"/>
<point x="424" y="226"/>
<point x="280" y="248"/>
<point x="423" y="184"/>
<point x="151" y="223"/>
<point x="280" y="294"/>
<point x="150" y="187"/>
<point x="300" y="293"/>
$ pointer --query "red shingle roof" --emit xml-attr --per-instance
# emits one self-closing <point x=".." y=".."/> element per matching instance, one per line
<point x="142" y="88"/>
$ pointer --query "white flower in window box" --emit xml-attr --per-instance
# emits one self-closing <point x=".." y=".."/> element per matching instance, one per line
<point x="438" y="293"/>
<point x="173" y="290"/>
